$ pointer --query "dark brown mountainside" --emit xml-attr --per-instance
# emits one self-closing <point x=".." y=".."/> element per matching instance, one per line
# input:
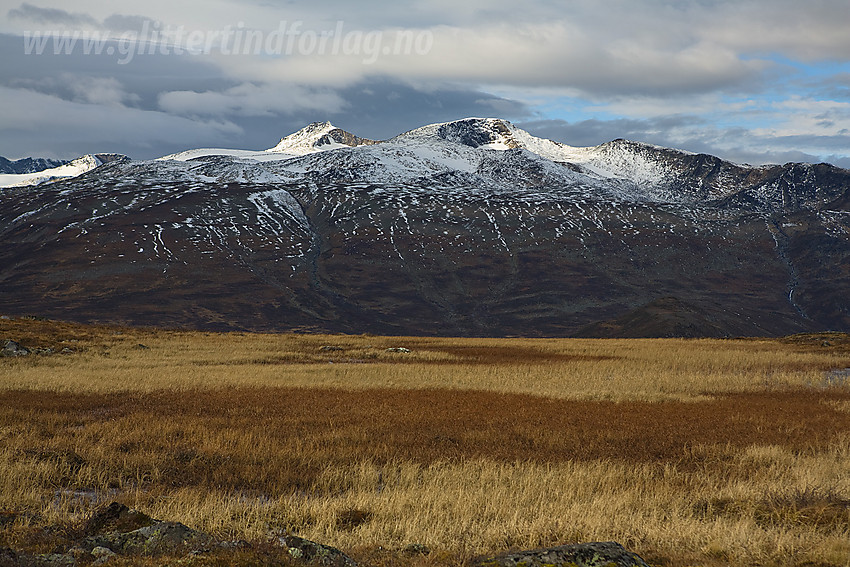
<point x="473" y="229"/>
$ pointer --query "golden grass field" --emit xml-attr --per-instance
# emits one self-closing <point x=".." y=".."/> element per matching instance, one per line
<point x="688" y="452"/>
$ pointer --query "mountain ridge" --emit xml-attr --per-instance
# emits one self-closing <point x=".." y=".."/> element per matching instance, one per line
<point x="471" y="227"/>
<point x="66" y="169"/>
<point x="28" y="164"/>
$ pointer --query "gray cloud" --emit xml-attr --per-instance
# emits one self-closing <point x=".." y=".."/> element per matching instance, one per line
<point x="50" y="16"/>
<point x="248" y="99"/>
<point x="77" y="103"/>
<point x="143" y="80"/>
<point x="836" y="87"/>
<point x="491" y="42"/>
<point x="664" y="72"/>
<point x="119" y="22"/>
<point x="38" y="124"/>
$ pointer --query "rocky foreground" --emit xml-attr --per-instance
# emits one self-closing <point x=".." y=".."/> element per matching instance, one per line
<point x="116" y="533"/>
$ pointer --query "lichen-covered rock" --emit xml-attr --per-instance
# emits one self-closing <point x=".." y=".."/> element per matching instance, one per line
<point x="102" y="555"/>
<point x="13" y="348"/>
<point x="595" y="554"/>
<point x="11" y="558"/>
<point x="312" y="552"/>
<point x="80" y="554"/>
<point x="47" y="560"/>
<point x="234" y="544"/>
<point x="124" y="530"/>
<point x="162" y="537"/>
<point x="157" y="538"/>
<point x="115" y="531"/>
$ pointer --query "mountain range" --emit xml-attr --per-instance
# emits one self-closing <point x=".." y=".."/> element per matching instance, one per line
<point x="28" y="165"/>
<point x="471" y="227"/>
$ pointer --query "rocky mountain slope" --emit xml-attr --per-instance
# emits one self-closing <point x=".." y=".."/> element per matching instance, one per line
<point x="472" y="227"/>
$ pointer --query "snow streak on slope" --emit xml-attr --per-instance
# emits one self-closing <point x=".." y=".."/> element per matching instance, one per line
<point x="472" y="226"/>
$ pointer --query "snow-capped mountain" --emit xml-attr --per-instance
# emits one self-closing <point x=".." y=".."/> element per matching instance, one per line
<point x="466" y="227"/>
<point x="28" y="165"/>
<point x="70" y="169"/>
<point x="318" y="137"/>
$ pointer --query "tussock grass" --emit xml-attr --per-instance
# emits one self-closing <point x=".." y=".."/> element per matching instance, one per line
<point x="690" y="452"/>
<point x="111" y="360"/>
<point x="744" y="478"/>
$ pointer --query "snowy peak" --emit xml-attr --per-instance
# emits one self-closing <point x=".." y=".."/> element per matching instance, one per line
<point x="318" y="137"/>
<point x="487" y="133"/>
<point x="490" y="133"/>
<point x="73" y="168"/>
<point x="28" y="165"/>
<point x="481" y="154"/>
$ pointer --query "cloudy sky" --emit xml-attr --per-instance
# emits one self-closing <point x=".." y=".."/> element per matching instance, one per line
<point x="753" y="81"/>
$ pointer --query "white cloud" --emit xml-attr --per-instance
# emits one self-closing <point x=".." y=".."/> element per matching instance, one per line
<point x="98" y="90"/>
<point x="554" y="54"/>
<point x="626" y="47"/>
<point x="816" y="123"/>
<point x="811" y="30"/>
<point x="719" y="61"/>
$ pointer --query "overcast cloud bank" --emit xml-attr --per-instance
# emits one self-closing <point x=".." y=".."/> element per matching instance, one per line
<point x="754" y="81"/>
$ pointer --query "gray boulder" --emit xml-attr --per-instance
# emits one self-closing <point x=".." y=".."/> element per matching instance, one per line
<point x="123" y="530"/>
<point x="155" y="539"/>
<point x="308" y="551"/>
<point x="13" y="348"/>
<point x="596" y="554"/>
<point x="102" y="555"/>
<point x="10" y="558"/>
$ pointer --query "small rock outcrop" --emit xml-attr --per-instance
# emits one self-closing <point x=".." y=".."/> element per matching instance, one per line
<point x="13" y="348"/>
<point x="102" y="555"/>
<point x="123" y="530"/>
<point x="116" y="530"/>
<point x="838" y="377"/>
<point x="311" y="552"/>
<point x="10" y="558"/>
<point x="595" y="554"/>
<point x="157" y="538"/>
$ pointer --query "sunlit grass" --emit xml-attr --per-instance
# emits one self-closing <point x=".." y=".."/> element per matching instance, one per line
<point x="561" y="368"/>
<point x="689" y="452"/>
